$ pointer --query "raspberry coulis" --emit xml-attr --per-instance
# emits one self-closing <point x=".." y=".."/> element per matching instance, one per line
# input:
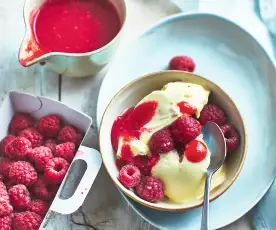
<point x="195" y="151"/>
<point x="186" y="108"/>
<point x="71" y="26"/>
<point x="129" y="126"/>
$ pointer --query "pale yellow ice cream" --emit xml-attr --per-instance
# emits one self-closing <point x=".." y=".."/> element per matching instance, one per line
<point x="184" y="181"/>
<point x="167" y="110"/>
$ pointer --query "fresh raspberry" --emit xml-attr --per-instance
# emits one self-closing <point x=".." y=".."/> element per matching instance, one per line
<point x="55" y="170"/>
<point x="3" y="192"/>
<point x="67" y="134"/>
<point x="49" y="126"/>
<point x="5" y="207"/>
<point x="51" y="144"/>
<point x="231" y="136"/>
<point x="19" y="196"/>
<point x="184" y="63"/>
<point x="185" y="129"/>
<point x="66" y="151"/>
<point x="40" y="156"/>
<point x="26" y="221"/>
<point x="129" y="176"/>
<point x="23" y="172"/>
<point x="211" y="112"/>
<point x="18" y="149"/>
<point x="21" y="121"/>
<point x="6" y="222"/>
<point x="2" y="177"/>
<point x="33" y="136"/>
<point x="195" y="151"/>
<point x="161" y="142"/>
<point x="150" y="189"/>
<point x="5" y="165"/>
<point x="40" y="207"/>
<point x="42" y="190"/>
<point x="4" y="143"/>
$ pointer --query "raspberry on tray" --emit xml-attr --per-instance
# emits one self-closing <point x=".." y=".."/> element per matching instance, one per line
<point x="23" y="172"/>
<point x="40" y="207"/>
<point x="33" y="136"/>
<point x="40" y="156"/>
<point x="5" y="142"/>
<point x="18" y="148"/>
<point x="43" y="190"/>
<point x="5" y="207"/>
<point x="6" y="222"/>
<point x="49" y="126"/>
<point x="69" y="134"/>
<point x="66" y="151"/>
<point x="51" y="144"/>
<point x="26" y="221"/>
<point x="21" y="121"/>
<point x="55" y="170"/>
<point x="19" y="196"/>
<point x="5" y="164"/>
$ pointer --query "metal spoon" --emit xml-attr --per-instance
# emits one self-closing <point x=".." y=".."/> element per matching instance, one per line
<point x="214" y="139"/>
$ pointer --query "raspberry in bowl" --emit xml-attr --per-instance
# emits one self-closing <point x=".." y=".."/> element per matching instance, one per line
<point x="153" y="128"/>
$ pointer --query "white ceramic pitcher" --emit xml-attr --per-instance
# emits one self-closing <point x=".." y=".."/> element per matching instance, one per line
<point x="67" y="64"/>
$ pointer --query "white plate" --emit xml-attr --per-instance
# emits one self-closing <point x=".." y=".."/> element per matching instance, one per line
<point x="227" y="55"/>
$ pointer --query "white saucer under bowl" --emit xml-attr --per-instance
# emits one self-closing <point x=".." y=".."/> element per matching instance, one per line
<point x="227" y="55"/>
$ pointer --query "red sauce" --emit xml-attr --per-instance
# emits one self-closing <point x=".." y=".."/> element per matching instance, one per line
<point x="195" y="151"/>
<point x="129" y="125"/>
<point x="75" y="26"/>
<point x="186" y="108"/>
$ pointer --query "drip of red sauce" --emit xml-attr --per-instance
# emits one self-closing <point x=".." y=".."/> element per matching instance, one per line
<point x="195" y="151"/>
<point x="186" y="108"/>
<point x="72" y="26"/>
<point x="119" y="128"/>
<point x="129" y="125"/>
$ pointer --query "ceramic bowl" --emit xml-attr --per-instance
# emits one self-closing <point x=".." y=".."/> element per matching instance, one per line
<point x="133" y="92"/>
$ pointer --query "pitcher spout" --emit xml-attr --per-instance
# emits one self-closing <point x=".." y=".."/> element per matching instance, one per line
<point x="30" y="52"/>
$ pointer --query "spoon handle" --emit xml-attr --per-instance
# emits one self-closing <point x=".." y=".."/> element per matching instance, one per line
<point x="205" y="211"/>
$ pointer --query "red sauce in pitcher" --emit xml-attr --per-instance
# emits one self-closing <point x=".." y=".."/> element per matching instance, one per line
<point x="75" y="26"/>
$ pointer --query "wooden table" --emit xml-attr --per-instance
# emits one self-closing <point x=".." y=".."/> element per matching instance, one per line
<point x="104" y="208"/>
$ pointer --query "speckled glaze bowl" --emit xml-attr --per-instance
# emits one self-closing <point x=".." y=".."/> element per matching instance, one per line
<point x="133" y="92"/>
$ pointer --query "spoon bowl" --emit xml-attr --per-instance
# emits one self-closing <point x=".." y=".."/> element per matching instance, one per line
<point x="214" y="139"/>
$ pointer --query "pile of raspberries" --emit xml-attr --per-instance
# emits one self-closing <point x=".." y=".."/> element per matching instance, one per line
<point x="35" y="157"/>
